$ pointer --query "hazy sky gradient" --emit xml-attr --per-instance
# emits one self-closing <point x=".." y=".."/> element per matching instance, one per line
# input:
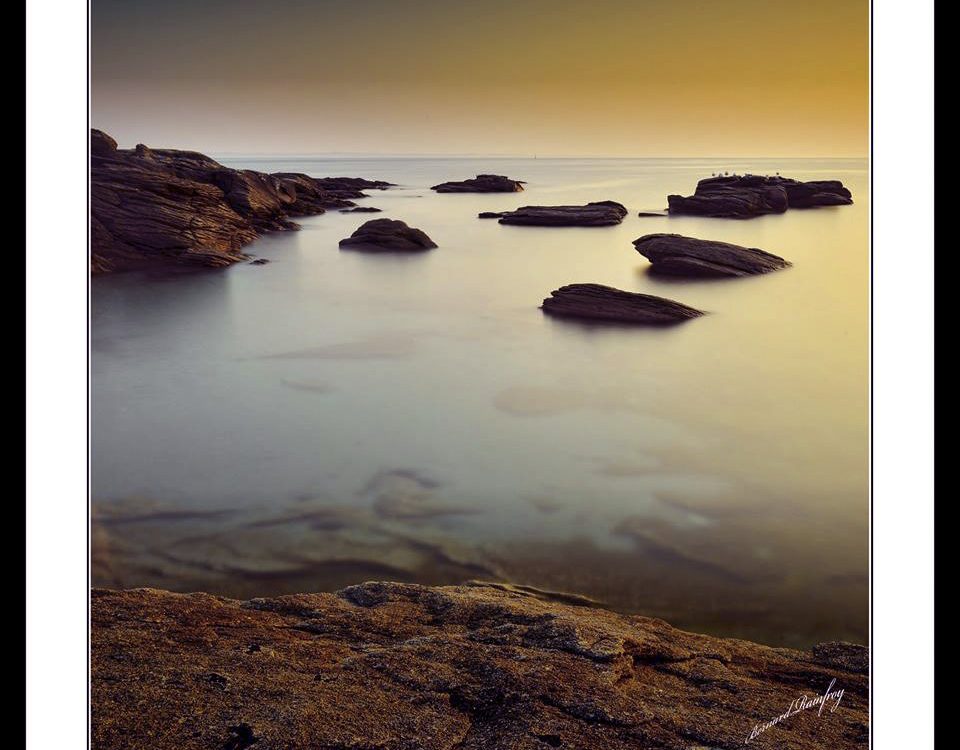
<point x="604" y="78"/>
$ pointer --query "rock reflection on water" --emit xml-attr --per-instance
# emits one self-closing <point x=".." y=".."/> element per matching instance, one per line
<point x="705" y="566"/>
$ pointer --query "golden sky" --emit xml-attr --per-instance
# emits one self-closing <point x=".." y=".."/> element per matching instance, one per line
<point x="520" y="77"/>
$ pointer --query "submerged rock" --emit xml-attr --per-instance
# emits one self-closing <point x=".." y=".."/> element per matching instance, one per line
<point x="482" y="183"/>
<point x="747" y="196"/>
<point x="361" y="210"/>
<point x="490" y="214"/>
<point x="389" y="235"/>
<point x="676" y="255"/>
<point x="598" y="302"/>
<point x="481" y="665"/>
<point x="155" y="207"/>
<point x="599" y="214"/>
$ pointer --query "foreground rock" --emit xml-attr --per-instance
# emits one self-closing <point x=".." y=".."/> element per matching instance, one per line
<point x="388" y="235"/>
<point x="598" y="302"/>
<point x="676" y="255"/>
<point x="474" y="667"/>
<point x="599" y="214"/>
<point x="747" y="196"/>
<point x="159" y="207"/>
<point x="482" y="183"/>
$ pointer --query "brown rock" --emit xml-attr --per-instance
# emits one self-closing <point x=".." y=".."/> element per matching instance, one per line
<point x="748" y="196"/>
<point x="152" y="207"/>
<point x="482" y="183"/>
<point x="599" y="214"/>
<point x="604" y="303"/>
<point x="475" y="667"/>
<point x="676" y="255"/>
<point x="388" y="235"/>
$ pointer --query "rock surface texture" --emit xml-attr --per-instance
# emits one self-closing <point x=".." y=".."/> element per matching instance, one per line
<point x="747" y="196"/>
<point x="482" y="183"/>
<point x="388" y="235"/>
<point x="161" y="207"/>
<point x="604" y="303"/>
<point x="676" y="255"/>
<point x="472" y="667"/>
<point x="599" y="214"/>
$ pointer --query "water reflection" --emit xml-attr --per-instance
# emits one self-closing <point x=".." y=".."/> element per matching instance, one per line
<point x="333" y="417"/>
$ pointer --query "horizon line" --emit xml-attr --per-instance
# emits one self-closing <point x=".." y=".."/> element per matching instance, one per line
<point x="531" y="157"/>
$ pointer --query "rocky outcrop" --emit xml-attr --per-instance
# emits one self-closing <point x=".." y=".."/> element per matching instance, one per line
<point x="155" y="207"/>
<point x="747" y="196"/>
<point x="482" y="666"/>
<point x="676" y="255"/>
<point x="599" y="214"/>
<point x="482" y="183"/>
<point x="388" y="235"/>
<point x="604" y="303"/>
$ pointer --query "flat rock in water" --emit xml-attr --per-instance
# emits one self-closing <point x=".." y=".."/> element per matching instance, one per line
<point x="676" y="255"/>
<point x="599" y="214"/>
<point x="390" y="235"/>
<point x="361" y="210"/>
<point x="481" y="665"/>
<point x="159" y="207"/>
<point x="482" y="183"/>
<point x="604" y="303"/>
<point x="747" y="196"/>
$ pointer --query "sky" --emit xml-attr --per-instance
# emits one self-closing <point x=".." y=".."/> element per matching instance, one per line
<point x="633" y="78"/>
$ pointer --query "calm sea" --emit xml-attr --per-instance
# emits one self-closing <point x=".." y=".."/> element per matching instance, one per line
<point x="334" y="416"/>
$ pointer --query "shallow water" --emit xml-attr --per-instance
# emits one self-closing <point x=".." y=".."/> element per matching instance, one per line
<point x="335" y="416"/>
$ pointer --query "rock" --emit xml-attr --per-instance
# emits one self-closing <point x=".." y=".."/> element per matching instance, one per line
<point x="676" y="255"/>
<point x="598" y="302"/>
<point x="482" y="183"/>
<point x="361" y="210"/>
<point x="101" y="144"/>
<point x="259" y="262"/>
<point x="643" y="214"/>
<point x="490" y="214"/>
<point x="156" y="207"/>
<point x="747" y="196"/>
<point x="388" y="235"/>
<point x="850" y="657"/>
<point x="482" y="666"/>
<point x="599" y="214"/>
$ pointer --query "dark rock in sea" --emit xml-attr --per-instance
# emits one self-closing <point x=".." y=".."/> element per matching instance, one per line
<point x="490" y="214"/>
<point x="482" y="183"/>
<point x="259" y="262"/>
<point x="599" y="214"/>
<point x="676" y="255"/>
<point x="480" y="665"/>
<point x="653" y="213"/>
<point x="747" y="196"/>
<point x="156" y="207"/>
<point x="361" y="210"/>
<point x="388" y="235"/>
<point x="604" y="303"/>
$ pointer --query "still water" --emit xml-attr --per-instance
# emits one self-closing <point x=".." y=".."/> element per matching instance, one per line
<point x="335" y="416"/>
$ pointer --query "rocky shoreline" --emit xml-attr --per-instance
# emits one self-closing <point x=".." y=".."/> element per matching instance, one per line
<point x="481" y="665"/>
<point x="162" y="207"/>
